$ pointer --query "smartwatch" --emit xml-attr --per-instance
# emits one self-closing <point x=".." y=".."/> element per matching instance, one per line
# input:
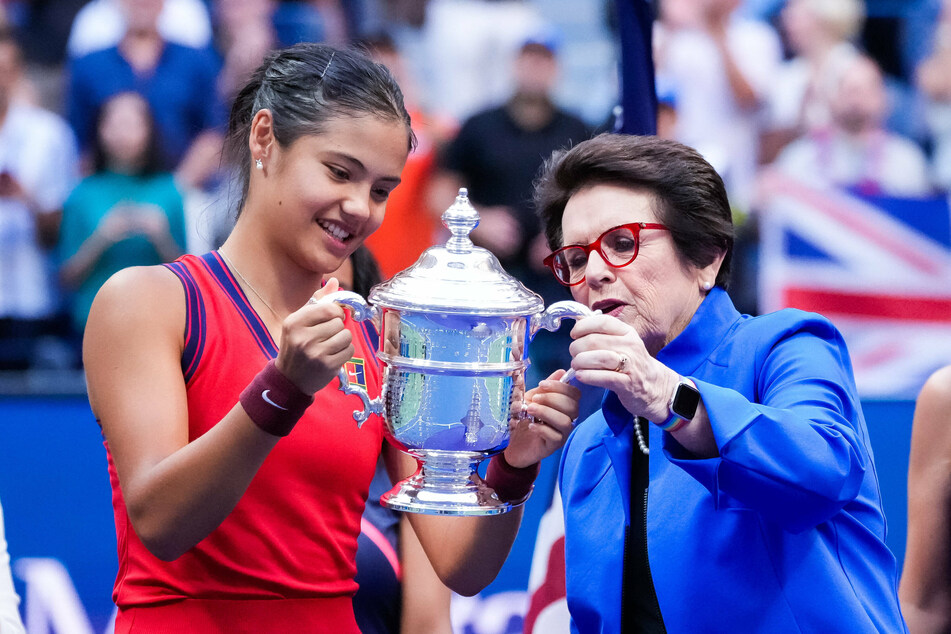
<point x="682" y="406"/>
<point x="685" y="401"/>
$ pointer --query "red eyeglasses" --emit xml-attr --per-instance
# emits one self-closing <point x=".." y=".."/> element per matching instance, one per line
<point x="617" y="246"/>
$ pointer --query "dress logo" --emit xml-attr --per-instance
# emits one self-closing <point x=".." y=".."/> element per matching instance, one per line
<point x="356" y="374"/>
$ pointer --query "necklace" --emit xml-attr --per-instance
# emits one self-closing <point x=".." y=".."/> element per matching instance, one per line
<point x="641" y="444"/>
<point x="248" y="284"/>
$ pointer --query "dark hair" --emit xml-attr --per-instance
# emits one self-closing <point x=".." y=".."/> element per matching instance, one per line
<point x="688" y="194"/>
<point x="366" y="271"/>
<point x="9" y="36"/>
<point x="304" y="87"/>
<point x="153" y="159"/>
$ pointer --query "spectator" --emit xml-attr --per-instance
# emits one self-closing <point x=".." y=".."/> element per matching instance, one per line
<point x="721" y="66"/>
<point x="10" y="622"/>
<point x="855" y="150"/>
<point x="101" y="23"/>
<point x="934" y="81"/>
<point x="412" y="219"/>
<point x="245" y="33"/>
<point x="466" y="50"/>
<point x="38" y="168"/>
<point x="925" y="589"/>
<point x="174" y="79"/>
<point x="128" y="213"/>
<point x="498" y="153"/>
<point x="821" y="35"/>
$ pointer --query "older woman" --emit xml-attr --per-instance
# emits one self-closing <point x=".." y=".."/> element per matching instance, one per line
<point x="726" y="483"/>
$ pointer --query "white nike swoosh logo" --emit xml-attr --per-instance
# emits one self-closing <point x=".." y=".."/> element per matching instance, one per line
<point x="269" y="401"/>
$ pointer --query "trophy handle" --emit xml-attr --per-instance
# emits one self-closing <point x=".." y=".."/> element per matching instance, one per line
<point x="361" y="312"/>
<point x="551" y="318"/>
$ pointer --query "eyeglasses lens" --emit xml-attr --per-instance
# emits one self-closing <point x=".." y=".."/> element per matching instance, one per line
<point x="617" y="247"/>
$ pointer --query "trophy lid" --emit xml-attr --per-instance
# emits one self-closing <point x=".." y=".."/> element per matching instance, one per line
<point x="458" y="277"/>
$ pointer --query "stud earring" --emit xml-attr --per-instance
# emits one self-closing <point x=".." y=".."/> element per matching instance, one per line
<point x="707" y="286"/>
<point x="258" y="163"/>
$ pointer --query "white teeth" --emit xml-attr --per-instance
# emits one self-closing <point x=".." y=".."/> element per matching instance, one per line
<point x="333" y="229"/>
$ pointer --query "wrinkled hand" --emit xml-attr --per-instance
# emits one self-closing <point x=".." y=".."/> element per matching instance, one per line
<point x="551" y="409"/>
<point x="608" y="353"/>
<point x="314" y="342"/>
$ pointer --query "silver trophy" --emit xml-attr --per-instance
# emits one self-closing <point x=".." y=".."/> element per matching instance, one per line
<point x="455" y="329"/>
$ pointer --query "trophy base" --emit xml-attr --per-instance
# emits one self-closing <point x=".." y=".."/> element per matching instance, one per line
<point x="436" y="490"/>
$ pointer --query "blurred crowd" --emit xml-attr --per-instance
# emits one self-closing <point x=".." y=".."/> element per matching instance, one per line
<point x="112" y="113"/>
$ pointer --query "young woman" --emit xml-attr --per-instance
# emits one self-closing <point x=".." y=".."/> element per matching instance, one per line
<point x="129" y="212"/>
<point x="198" y="370"/>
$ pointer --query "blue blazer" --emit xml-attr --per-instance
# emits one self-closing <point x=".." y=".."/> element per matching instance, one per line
<point x="783" y="532"/>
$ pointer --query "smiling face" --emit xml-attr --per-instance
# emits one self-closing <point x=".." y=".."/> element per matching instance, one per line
<point x="320" y="197"/>
<point x="657" y="293"/>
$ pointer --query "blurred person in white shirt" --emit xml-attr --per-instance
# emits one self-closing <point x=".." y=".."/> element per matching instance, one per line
<point x="38" y="169"/>
<point x="721" y="66"/>
<point x="101" y="24"/>
<point x="821" y="36"/>
<point x="855" y="150"/>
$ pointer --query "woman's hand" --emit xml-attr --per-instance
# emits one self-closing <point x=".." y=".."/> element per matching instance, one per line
<point x="152" y="221"/>
<point x="608" y="353"/>
<point x="551" y="409"/>
<point x="118" y="224"/>
<point x="314" y="342"/>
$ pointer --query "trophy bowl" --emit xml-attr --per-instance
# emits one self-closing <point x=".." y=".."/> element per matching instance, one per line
<point x="454" y="336"/>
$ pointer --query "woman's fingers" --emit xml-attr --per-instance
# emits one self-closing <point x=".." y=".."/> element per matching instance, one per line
<point x="315" y="342"/>
<point x="604" y="324"/>
<point x="548" y="433"/>
<point x="554" y="401"/>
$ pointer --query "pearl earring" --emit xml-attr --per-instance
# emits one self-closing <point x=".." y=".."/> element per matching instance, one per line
<point x="707" y="286"/>
<point x="258" y="163"/>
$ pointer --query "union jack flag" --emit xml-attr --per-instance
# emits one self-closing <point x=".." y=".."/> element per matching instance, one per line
<point x="879" y="268"/>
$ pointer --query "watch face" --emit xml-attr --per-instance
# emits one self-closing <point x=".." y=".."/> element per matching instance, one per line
<point x="686" y="401"/>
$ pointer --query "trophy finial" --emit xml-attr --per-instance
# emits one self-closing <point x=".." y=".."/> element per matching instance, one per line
<point x="460" y="219"/>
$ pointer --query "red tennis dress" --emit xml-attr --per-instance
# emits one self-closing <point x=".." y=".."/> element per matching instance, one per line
<point x="283" y="560"/>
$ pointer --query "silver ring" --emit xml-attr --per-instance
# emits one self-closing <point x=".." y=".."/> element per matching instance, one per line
<point x="621" y="363"/>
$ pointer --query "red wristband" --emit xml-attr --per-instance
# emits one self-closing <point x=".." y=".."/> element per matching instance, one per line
<point x="510" y="483"/>
<point x="273" y="402"/>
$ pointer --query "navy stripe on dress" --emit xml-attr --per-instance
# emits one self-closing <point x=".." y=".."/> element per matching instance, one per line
<point x="222" y="275"/>
<point x="195" y="321"/>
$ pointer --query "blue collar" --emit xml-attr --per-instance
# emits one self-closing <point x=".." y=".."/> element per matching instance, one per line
<point x="707" y="329"/>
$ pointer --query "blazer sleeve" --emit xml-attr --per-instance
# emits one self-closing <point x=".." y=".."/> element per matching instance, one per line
<point x="796" y="450"/>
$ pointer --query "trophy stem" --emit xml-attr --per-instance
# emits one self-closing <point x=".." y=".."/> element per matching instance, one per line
<point x="446" y="484"/>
